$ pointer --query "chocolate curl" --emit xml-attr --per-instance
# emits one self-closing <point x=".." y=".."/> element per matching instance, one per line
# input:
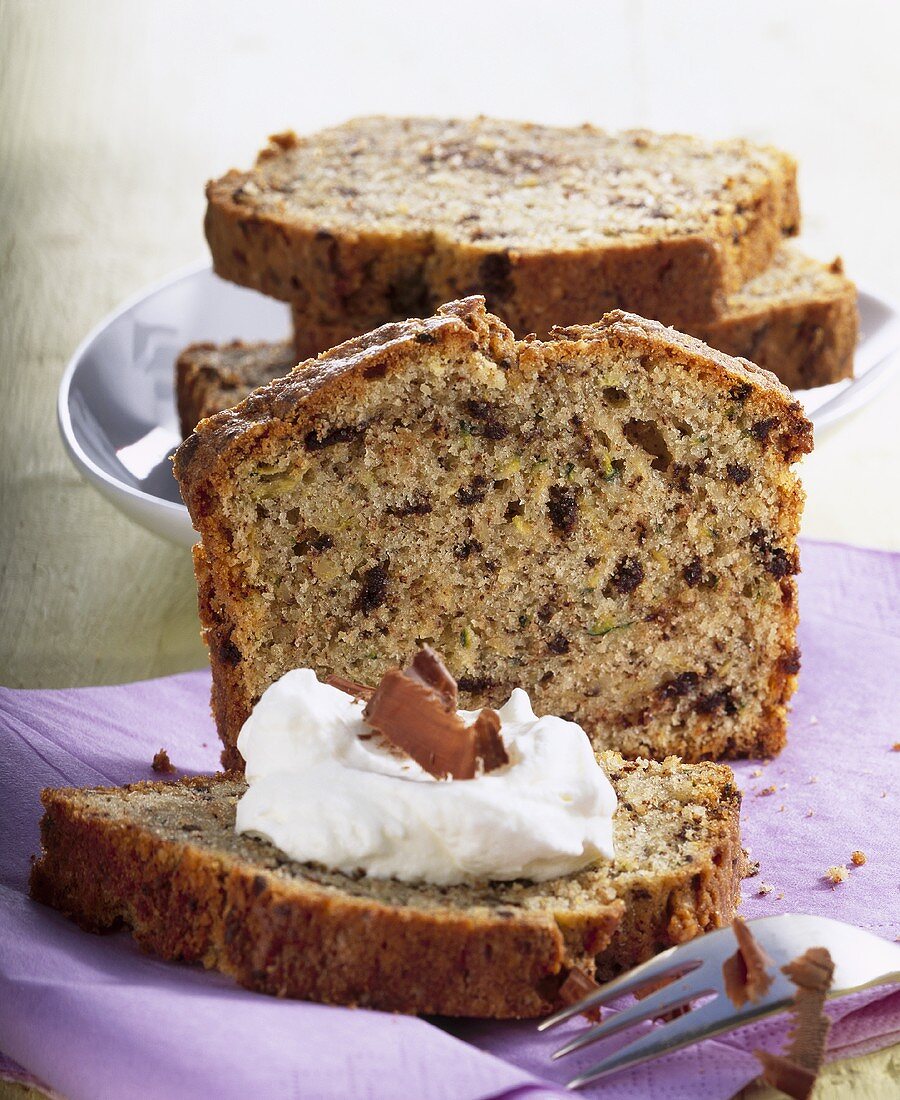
<point x="429" y="669"/>
<point x="745" y="973"/>
<point x="489" y="747"/>
<point x="575" y="988"/>
<point x="795" y="1073"/>
<point x="350" y="687"/>
<point x="415" y="711"/>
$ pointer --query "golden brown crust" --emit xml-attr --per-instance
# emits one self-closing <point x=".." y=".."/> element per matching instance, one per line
<point x="237" y="906"/>
<point x="385" y="251"/>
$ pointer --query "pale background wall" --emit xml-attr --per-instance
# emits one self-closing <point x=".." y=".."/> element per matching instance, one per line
<point x="113" y="114"/>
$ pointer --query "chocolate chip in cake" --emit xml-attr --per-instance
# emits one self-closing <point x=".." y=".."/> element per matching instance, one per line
<point x="789" y="662"/>
<point x="559" y="643"/>
<point x="627" y="575"/>
<point x="464" y="550"/>
<point x="679" y="685"/>
<point x="715" y="701"/>
<point x="762" y="429"/>
<point x="740" y="392"/>
<point x="693" y="573"/>
<point x="345" y="434"/>
<point x="739" y="474"/>
<point x="775" y="560"/>
<point x="374" y="589"/>
<point x="474" y="492"/>
<point x="562" y="507"/>
<point x="474" y="685"/>
<point x="229" y="654"/>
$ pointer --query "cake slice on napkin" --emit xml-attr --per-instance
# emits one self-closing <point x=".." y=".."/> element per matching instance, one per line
<point x="387" y="850"/>
<point x="606" y="518"/>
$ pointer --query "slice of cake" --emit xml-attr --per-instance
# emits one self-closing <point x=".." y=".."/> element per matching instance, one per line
<point x="607" y="518"/>
<point x="212" y="377"/>
<point x="798" y="319"/>
<point x="387" y="216"/>
<point x="164" y="859"/>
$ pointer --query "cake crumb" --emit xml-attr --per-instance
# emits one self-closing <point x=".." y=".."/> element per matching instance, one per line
<point x="813" y="779"/>
<point x="752" y="868"/>
<point x="766" y="791"/>
<point x="896" y="746"/>
<point x="162" y="763"/>
<point x="756" y="773"/>
<point x="857" y="858"/>
<point x="764" y="888"/>
<point x="808" y="813"/>
<point x="836" y="875"/>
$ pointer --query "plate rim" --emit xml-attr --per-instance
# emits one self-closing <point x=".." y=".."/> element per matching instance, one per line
<point x="874" y="379"/>
<point x="77" y="455"/>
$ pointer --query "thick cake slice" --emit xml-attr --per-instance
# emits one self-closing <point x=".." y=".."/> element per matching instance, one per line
<point x="797" y="319"/>
<point x="164" y="859"/>
<point x="212" y="377"/>
<point x="607" y="519"/>
<point x="387" y="216"/>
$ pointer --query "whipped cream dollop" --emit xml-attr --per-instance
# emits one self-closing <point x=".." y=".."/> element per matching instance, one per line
<point x="323" y="788"/>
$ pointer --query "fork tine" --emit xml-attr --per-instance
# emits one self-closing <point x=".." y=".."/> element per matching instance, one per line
<point x="668" y="964"/>
<point x="663" y="1000"/>
<point x="682" y="1032"/>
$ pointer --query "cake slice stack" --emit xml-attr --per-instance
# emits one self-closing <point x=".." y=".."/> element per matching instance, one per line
<point x="382" y="219"/>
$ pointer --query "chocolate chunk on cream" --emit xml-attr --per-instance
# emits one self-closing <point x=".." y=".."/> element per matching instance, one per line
<point x="415" y="710"/>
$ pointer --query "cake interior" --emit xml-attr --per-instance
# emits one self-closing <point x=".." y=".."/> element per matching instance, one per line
<point x="608" y="531"/>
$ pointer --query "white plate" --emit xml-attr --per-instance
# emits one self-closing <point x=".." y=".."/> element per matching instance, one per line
<point x="117" y="403"/>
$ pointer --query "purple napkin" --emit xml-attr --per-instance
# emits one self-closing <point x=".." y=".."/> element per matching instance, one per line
<point x="91" y="1016"/>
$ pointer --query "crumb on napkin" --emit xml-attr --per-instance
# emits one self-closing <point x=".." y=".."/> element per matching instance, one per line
<point x="162" y="763"/>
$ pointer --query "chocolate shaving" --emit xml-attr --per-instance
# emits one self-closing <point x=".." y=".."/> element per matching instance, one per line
<point x="428" y="668"/>
<point x="350" y="687"/>
<point x="575" y="988"/>
<point x="489" y="747"/>
<point x="786" y="1076"/>
<point x="745" y="973"/>
<point x="415" y="711"/>
<point x="795" y="1073"/>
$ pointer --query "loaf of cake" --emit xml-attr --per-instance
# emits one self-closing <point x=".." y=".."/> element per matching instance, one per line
<point x="607" y="518"/>
<point x="164" y="859"/>
<point x="386" y="217"/>
<point x="212" y="377"/>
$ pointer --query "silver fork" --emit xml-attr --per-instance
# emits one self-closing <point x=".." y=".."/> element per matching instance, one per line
<point x="694" y="970"/>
